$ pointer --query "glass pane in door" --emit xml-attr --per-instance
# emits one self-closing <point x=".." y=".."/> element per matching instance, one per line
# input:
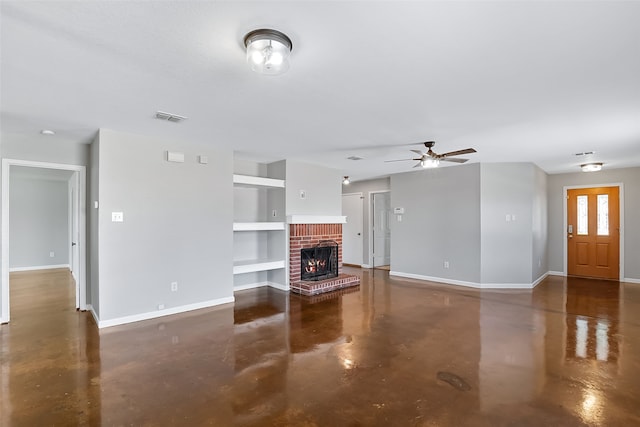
<point x="603" y="215"/>
<point x="583" y="215"/>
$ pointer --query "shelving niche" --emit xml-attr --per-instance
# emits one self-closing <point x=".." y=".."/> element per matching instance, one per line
<point x="260" y="244"/>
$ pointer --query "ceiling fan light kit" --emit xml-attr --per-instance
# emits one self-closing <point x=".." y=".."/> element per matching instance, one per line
<point x="431" y="159"/>
<point x="591" y="167"/>
<point x="346" y="181"/>
<point x="268" y="51"/>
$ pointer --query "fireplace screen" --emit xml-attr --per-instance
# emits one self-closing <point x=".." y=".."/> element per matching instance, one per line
<point x="319" y="262"/>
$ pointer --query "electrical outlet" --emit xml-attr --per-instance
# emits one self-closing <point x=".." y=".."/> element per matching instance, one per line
<point x="52" y="254"/>
<point x="160" y="306"/>
<point x="174" y="286"/>
<point x="446" y="264"/>
<point x="117" y="217"/>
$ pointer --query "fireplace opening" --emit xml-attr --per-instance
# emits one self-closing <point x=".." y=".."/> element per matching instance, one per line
<point x="319" y="262"/>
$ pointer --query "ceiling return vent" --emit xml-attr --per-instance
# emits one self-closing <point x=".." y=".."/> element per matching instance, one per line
<point x="169" y="117"/>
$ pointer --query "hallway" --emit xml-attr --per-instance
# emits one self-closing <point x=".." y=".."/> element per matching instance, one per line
<point x="393" y="352"/>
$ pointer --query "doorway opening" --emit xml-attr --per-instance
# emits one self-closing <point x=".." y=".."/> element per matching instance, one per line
<point x="594" y="233"/>
<point x="75" y="248"/>
<point x="380" y="230"/>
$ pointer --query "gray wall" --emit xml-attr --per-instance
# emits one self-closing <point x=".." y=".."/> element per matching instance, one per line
<point x="93" y="196"/>
<point x="322" y="186"/>
<point x="630" y="178"/>
<point x="441" y="223"/>
<point x="177" y="225"/>
<point x="366" y="187"/>
<point x="506" y="247"/>
<point x="39" y="220"/>
<point x="539" y="226"/>
<point x="44" y="149"/>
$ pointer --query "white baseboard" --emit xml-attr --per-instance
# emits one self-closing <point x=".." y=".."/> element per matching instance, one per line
<point x="556" y="273"/>
<point x="539" y="279"/>
<point x="260" y="285"/>
<point x="250" y="286"/>
<point x="630" y="280"/>
<point x="39" y="267"/>
<point x="279" y="286"/>
<point x="467" y="284"/>
<point x="161" y="313"/>
<point x="93" y="313"/>
<point x="365" y="266"/>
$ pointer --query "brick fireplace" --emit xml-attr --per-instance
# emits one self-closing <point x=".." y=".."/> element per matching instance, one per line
<point x="307" y="236"/>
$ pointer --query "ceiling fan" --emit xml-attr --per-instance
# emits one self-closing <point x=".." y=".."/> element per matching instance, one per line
<point x="431" y="159"/>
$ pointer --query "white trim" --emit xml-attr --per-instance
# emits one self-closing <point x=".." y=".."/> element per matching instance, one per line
<point x="93" y="313"/>
<point x="250" y="286"/>
<point x="366" y="266"/>
<point x="250" y="266"/>
<point x="80" y="174"/>
<point x="539" y="279"/>
<point x="39" y="267"/>
<point x="165" y="312"/>
<point x="316" y="219"/>
<point x="278" y="286"/>
<point x="620" y="186"/>
<point x="556" y="273"/>
<point x="257" y="181"/>
<point x="257" y="226"/>
<point x="467" y="284"/>
<point x="630" y="280"/>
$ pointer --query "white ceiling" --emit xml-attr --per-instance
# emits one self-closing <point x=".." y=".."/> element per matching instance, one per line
<point x="518" y="81"/>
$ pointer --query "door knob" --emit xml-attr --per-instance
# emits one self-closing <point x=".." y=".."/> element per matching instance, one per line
<point x="358" y="234"/>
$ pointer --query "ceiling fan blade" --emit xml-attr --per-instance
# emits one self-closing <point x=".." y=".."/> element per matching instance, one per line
<point x="455" y="160"/>
<point x="398" y="160"/>
<point x="457" y="153"/>
<point x="418" y="152"/>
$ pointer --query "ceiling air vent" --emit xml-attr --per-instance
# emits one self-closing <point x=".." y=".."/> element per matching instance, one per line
<point x="355" y="158"/>
<point x="169" y="117"/>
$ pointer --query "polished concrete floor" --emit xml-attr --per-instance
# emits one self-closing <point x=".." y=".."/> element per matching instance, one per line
<point x="394" y="352"/>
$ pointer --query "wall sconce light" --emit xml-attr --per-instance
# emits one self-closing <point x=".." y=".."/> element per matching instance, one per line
<point x="591" y="167"/>
<point x="268" y="51"/>
<point x="345" y="181"/>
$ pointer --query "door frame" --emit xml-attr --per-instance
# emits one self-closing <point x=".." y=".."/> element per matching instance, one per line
<point x="565" y="195"/>
<point x="371" y="224"/>
<point x="80" y="181"/>
<point x="362" y="221"/>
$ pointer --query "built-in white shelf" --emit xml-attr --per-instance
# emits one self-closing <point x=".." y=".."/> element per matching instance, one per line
<point x="257" y="181"/>
<point x="257" y="226"/>
<point x="250" y="266"/>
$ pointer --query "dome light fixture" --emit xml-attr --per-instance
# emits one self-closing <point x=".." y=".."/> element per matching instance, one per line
<point x="346" y="181"/>
<point x="591" y="167"/>
<point x="268" y="51"/>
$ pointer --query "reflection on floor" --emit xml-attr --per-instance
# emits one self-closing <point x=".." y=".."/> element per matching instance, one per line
<point x="392" y="352"/>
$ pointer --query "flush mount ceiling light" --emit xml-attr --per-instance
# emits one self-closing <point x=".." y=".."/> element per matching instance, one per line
<point x="268" y="51"/>
<point x="346" y="181"/>
<point x="591" y="167"/>
<point x="47" y="132"/>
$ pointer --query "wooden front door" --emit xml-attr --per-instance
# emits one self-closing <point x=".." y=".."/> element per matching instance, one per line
<point x="593" y="232"/>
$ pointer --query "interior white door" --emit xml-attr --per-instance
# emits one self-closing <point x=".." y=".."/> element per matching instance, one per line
<point x="352" y="247"/>
<point x="381" y="229"/>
